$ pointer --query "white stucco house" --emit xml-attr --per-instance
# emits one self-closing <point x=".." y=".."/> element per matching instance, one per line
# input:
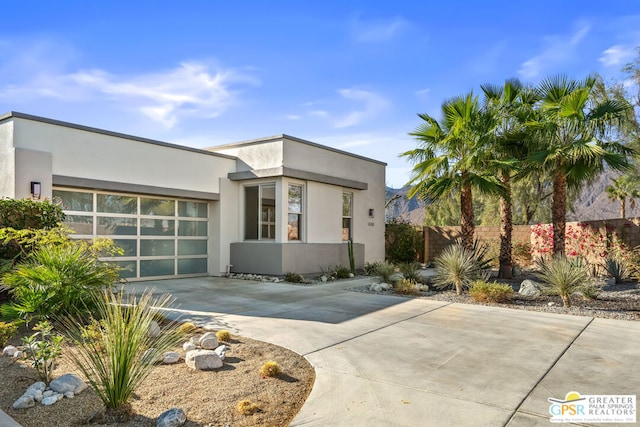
<point x="266" y="206"/>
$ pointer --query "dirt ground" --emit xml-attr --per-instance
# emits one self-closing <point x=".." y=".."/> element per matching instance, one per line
<point x="209" y="398"/>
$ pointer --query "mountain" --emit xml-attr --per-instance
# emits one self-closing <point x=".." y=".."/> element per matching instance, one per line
<point x="591" y="204"/>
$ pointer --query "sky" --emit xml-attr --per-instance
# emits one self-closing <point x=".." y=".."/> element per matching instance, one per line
<point x="352" y="75"/>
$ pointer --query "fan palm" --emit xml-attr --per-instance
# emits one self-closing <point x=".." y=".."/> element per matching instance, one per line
<point x="452" y="157"/>
<point x="571" y="131"/>
<point x="623" y="188"/>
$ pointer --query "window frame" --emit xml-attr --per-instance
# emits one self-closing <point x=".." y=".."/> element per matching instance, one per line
<point x="272" y="214"/>
<point x="300" y="213"/>
<point x="349" y="216"/>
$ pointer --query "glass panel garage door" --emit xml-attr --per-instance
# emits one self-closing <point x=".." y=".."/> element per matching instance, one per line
<point x="161" y="237"/>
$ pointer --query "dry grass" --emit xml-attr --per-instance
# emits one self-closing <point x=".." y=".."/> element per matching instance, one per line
<point x="209" y="398"/>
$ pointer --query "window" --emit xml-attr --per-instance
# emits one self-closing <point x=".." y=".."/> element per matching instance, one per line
<point x="347" y="216"/>
<point x="260" y="212"/>
<point x="294" y="226"/>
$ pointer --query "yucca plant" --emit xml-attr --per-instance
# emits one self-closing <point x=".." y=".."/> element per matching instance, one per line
<point x="617" y="268"/>
<point x="384" y="271"/>
<point x="457" y="267"/>
<point x="563" y="276"/>
<point x="114" y="363"/>
<point x="410" y="270"/>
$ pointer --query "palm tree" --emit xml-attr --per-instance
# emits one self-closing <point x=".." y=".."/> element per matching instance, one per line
<point x="623" y="188"/>
<point x="571" y="130"/>
<point x="452" y="157"/>
<point x="511" y="105"/>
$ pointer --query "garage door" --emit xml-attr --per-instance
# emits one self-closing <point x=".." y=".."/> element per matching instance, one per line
<point x="161" y="237"/>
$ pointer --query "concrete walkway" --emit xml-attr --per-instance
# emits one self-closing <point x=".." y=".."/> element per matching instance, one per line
<point x="392" y="361"/>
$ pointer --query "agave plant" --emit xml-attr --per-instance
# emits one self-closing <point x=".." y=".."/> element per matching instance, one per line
<point x="563" y="276"/>
<point x="457" y="267"/>
<point x="617" y="268"/>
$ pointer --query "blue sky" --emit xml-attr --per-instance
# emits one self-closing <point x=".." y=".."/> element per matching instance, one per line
<point x="348" y="74"/>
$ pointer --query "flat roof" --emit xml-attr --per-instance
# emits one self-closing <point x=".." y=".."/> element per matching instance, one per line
<point x="17" y="115"/>
<point x="291" y="138"/>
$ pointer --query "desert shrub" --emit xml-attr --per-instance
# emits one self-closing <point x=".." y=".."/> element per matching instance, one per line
<point x="562" y="276"/>
<point x="369" y="268"/>
<point x="403" y="241"/>
<point x="114" y="364"/>
<point x="294" y="278"/>
<point x="406" y="287"/>
<point x="186" y="328"/>
<point x="271" y="369"/>
<point x="617" y="268"/>
<point x="457" y="267"/>
<point x="483" y="291"/>
<point x="43" y="347"/>
<point x="342" y="272"/>
<point x="223" y="335"/>
<point x="410" y="270"/>
<point x="521" y="253"/>
<point x="7" y="330"/>
<point x="384" y="271"/>
<point x="247" y="407"/>
<point x="590" y="291"/>
<point x="56" y="280"/>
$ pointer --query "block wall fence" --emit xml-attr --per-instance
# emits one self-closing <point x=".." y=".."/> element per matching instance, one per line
<point x="625" y="230"/>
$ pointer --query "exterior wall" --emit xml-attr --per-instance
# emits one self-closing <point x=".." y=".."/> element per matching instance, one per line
<point x="32" y="166"/>
<point x="262" y="155"/>
<point x="324" y="213"/>
<point x="84" y="154"/>
<point x="7" y="161"/>
<point x="280" y="258"/>
<point x="224" y="226"/>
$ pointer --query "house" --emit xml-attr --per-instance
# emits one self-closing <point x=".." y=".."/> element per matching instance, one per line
<point x="265" y="206"/>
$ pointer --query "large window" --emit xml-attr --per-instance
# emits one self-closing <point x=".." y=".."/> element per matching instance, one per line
<point x="347" y="216"/>
<point x="260" y="212"/>
<point x="159" y="236"/>
<point x="295" y="212"/>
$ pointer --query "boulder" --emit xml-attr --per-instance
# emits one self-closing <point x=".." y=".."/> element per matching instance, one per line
<point x="174" y="417"/>
<point x="203" y="360"/>
<point x="530" y="288"/>
<point x="151" y="355"/>
<point x="69" y="395"/>
<point x="221" y="351"/>
<point x="209" y="341"/>
<point x="188" y="346"/>
<point x="68" y="382"/>
<point x="18" y="354"/>
<point x="376" y="287"/>
<point x="386" y="286"/>
<point x="195" y="340"/>
<point x="50" y="400"/>
<point x="23" y="401"/>
<point x="9" y="350"/>
<point x="154" y="329"/>
<point x="169" y="357"/>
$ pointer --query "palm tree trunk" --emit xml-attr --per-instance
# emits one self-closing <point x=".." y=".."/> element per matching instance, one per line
<point x="559" y="211"/>
<point x="623" y="207"/>
<point x="506" y="229"/>
<point x="467" y="226"/>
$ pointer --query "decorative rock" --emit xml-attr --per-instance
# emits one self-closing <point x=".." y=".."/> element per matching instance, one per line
<point x="69" y="395"/>
<point x="375" y="287"/>
<point x="50" y="400"/>
<point x="188" y="346"/>
<point x="209" y="341"/>
<point x="18" y="354"/>
<point x="9" y="351"/>
<point x="203" y="360"/>
<point x="151" y="355"/>
<point x="551" y="303"/>
<point x="48" y="393"/>
<point x="68" y="382"/>
<point x="174" y="417"/>
<point x="23" y="401"/>
<point x="351" y="275"/>
<point x="195" y="340"/>
<point x="36" y="391"/>
<point x="221" y="351"/>
<point x="39" y="386"/>
<point x="323" y="278"/>
<point x="530" y="288"/>
<point x="386" y="286"/>
<point x="154" y="329"/>
<point x="169" y="357"/>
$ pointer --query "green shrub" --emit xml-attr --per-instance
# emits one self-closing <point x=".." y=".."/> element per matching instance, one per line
<point x="56" y="280"/>
<point x="410" y="270"/>
<point x="483" y="291"/>
<point x="271" y="369"/>
<point x="406" y="287"/>
<point x="457" y="267"/>
<point x="563" y="276"/>
<point x="369" y="268"/>
<point x="590" y="291"/>
<point x="294" y="278"/>
<point x="342" y="272"/>
<point x="223" y="335"/>
<point x="42" y="348"/>
<point x="617" y="268"/>
<point x="7" y="330"/>
<point x="384" y="271"/>
<point x="403" y="241"/>
<point x="114" y="365"/>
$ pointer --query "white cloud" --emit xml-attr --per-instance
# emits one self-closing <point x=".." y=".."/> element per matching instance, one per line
<point x="422" y="92"/>
<point x="616" y="55"/>
<point x="557" y="50"/>
<point x="292" y="117"/>
<point x="377" y="31"/>
<point x="372" y="105"/>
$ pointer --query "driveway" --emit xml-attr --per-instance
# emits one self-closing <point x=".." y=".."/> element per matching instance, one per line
<point x="393" y="361"/>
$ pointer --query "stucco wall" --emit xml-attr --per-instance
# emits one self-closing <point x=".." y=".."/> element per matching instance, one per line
<point x="7" y="160"/>
<point x="324" y="213"/>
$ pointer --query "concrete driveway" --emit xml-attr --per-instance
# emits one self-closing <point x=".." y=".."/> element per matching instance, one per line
<point x="392" y="361"/>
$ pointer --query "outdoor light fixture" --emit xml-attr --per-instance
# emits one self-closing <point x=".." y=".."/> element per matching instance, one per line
<point x="371" y="213"/>
<point x="36" y="189"/>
